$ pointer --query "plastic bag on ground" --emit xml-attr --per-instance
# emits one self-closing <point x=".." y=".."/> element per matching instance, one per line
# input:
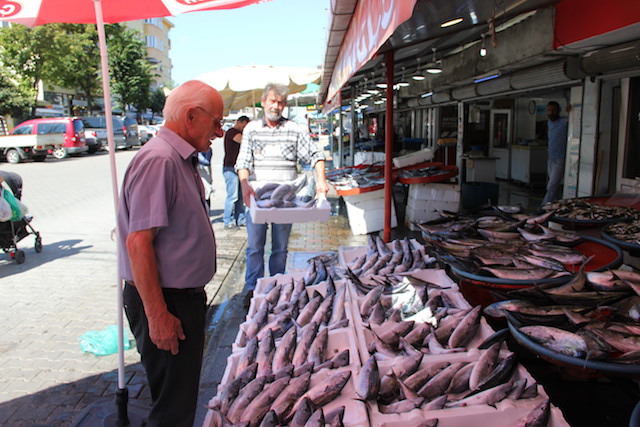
<point x="103" y="343"/>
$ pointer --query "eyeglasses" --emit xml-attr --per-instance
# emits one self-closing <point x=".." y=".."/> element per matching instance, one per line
<point x="217" y="123"/>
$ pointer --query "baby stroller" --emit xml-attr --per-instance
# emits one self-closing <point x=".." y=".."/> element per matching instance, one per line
<point x="11" y="232"/>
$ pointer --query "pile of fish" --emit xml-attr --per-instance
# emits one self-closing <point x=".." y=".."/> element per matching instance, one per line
<point x="283" y="370"/>
<point x="518" y="247"/>
<point x="283" y="195"/>
<point x="413" y="382"/>
<point x="382" y="259"/>
<point x="583" y="210"/>
<point x="625" y="231"/>
<point x="595" y="316"/>
<point x="355" y="177"/>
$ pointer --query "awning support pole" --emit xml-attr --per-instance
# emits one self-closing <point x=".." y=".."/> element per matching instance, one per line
<point x="388" y="147"/>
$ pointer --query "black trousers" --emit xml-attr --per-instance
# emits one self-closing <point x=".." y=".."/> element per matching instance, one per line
<point x="173" y="380"/>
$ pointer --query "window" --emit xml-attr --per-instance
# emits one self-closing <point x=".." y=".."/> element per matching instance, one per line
<point x="47" y="128"/>
<point x="23" y="130"/>
<point x="153" y="41"/>
<point x="154" y="21"/>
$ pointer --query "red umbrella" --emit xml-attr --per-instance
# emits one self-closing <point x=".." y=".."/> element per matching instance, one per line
<point x="39" y="12"/>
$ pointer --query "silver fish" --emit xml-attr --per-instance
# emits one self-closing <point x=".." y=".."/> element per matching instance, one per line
<point x="296" y="388"/>
<point x="402" y="406"/>
<point x="460" y="381"/>
<point x="485" y="364"/>
<point x="438" y="384"/>
<point x="302" y="413"/>
<point x="421" y="376"/>
<point x="323" y="313"/>
<point x="338" y="308"/>
<point x="246" y="395"/>
<point x="329" y="389"/>
<point x="334" y="417"/>
<point x="306" y="314"/>
<point x="466" y="329"/>
<point x="307" y="335"/>
<point x="264" y="358"/>
<point x="231" y="390"/>
<point x="557" y="340"/>
<point x="258" y="321"/>
<point x="369" y="301"/>
<point x="406" y="366"/>
<point x="368" y="381"/>
<point x="500" y="374"/>
<point x="538" y="416"/>
<point x="487" y="397"/>
<point x="259" y="406"/>
<point x="247" y="357"/>
<point x="316" y="419"/>
<point x="270" y="420"/>
<point x="318" y="347"/>
<point x="284" y="350"/>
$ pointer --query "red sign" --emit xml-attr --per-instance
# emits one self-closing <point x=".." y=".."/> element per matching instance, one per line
<point x="373" y="22"/>
<point x="9" y="8"/>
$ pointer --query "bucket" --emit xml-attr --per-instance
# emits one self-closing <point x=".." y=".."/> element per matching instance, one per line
<point x="474" y="195"/>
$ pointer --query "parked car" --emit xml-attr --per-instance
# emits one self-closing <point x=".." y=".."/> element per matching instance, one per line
<point x="71" y="128"/>
<point x="147" y="132"/>
<point x="96" y="128"/>
<point x="20" y="146"/>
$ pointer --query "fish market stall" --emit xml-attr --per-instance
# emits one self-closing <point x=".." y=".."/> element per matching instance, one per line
<point x="385" y="338"/>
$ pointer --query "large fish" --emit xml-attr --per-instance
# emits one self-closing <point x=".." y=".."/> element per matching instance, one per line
<point x="247" y="357"/>
<point x="406" y="366"/>
<point x="306" y="314"/>
<point x="487" y="397"/>
<point x="259" y="405"/>
<point x="302" y="413"/>
<point x="368" y="381"/>
<point x="557" y="340"/>
<point x="370" y="300"/>
<point x="264" y="358"/>
<point x="318" y="347"/>
<point x="538" y="416"/>
<point x="307" y="335"/>
<point x="258" y="321"/>
<point x="485" y="364"/>
<point x="231" y="390"/>
<point x="316" y="419"/>
<point x="466" y="329"/>
<point x="323" y="313"/>
<point x="334" y="417"/>
<point x="246" y="395"/>
<point x="327" y="390"/>
<point x="515" y="273"/>
<point x="438" y="384"/>
<point x="284" y="350"/>
<point x="402" y="406"/>
<point x="296" y="388"/>
<point x="338" y="308"/>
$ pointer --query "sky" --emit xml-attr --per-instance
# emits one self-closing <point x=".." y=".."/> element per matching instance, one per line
<point x="289" y="33"/>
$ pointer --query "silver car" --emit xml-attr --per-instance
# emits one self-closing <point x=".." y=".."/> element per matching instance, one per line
<point x="96" y="128"/>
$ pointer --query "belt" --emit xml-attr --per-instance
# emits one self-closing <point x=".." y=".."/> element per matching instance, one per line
<point x="191" y="291"/>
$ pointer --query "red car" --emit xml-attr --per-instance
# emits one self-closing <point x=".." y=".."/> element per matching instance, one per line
<point x="71" y="127"/>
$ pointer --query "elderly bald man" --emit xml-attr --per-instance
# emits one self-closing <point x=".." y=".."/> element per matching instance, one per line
<point x="168" y="251"/>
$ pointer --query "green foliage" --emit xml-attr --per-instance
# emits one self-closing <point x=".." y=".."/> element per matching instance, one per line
<point x="157" y="101"/>
<point x="15" y="99"/>
<point x="131" y="74"/>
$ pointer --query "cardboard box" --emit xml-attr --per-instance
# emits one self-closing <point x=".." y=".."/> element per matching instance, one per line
<point x="366" y="212"/>
<point x="320" y="213"/>
<point x="424" y="155"/>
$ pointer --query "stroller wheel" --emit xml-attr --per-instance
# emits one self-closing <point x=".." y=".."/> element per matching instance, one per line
<point x="38" y="245"/>
<point x="20" y="256"/>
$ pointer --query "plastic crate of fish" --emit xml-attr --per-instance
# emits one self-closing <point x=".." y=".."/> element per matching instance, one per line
<point x="506" y="403"/>
<point x="455" y="334"/>
<point x="366" y="212"/>
<point x="347" y="255"/>
<point x="278" y="278"/>
<point x="319" y="212"/>
<point x="336" y="321"/>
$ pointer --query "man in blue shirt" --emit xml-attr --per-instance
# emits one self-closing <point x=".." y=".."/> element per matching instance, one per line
<point x="556" y="149"/>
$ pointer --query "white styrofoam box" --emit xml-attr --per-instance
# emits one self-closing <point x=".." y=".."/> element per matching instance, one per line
<point x="366" y="212"/>
<point x="319" y="213"/>
<point x="424" y="155"/>
<point x="505" y="413"/>
<point x="368" y="157"/>
<point x="413" y="216"/>
<point x="434" y="191"/>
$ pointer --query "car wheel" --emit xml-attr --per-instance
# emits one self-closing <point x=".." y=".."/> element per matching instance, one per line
<point x="20" y="256"/>
<point x="39" y="158"/>
<point x="60" y="153"/>
<point x="13" y="156"/>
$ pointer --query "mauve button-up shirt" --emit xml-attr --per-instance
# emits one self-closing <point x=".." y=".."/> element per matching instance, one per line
<point x="162" y="189"/>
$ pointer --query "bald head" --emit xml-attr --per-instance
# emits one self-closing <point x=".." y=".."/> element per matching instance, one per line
<point x="192" y="93"/>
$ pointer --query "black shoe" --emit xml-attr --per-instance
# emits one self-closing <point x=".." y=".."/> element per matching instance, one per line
<point x="247" y="299"/>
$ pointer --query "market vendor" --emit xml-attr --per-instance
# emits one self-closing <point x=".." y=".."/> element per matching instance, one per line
<point x="270" y="151"/>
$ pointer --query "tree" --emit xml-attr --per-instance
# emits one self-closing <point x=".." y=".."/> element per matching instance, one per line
<point x="16" y="99"/>
<point x="157" y="101"/>
<point x="130" y="72"/>
<point x="79" y="66"/>
<point x="29" y="53"/>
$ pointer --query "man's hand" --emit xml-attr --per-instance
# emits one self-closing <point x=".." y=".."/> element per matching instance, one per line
<point x="165" y="330"/>
<point x="322" y="187"/>
<point x="247" y="189"/>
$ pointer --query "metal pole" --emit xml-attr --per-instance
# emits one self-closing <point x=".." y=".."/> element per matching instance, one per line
<point x="340" y="142"/>
<point x="352" y="136"/>
<point x="388" y="147"/>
